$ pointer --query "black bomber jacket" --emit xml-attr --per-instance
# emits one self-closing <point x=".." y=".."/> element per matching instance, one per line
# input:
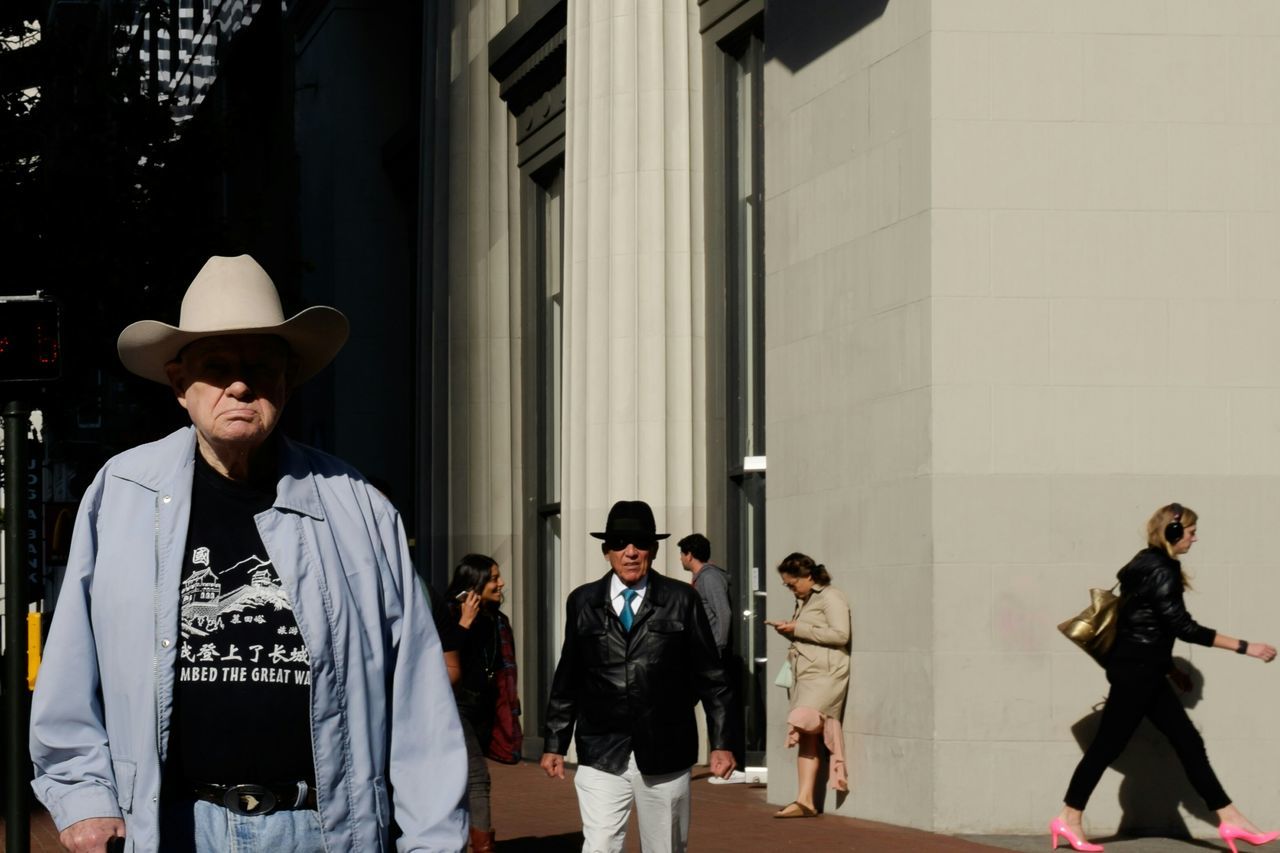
<point x="616" y="692"/>
<point x="1152" y="613"/>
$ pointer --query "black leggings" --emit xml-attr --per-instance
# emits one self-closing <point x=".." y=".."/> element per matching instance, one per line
<point x="1140" y="689"/>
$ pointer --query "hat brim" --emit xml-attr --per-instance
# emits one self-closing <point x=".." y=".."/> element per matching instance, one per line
<point x="315" y="336"/>
<point x="606" y="535"/>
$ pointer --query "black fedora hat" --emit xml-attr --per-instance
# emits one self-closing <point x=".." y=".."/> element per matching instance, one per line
<point x="630" y="518"/>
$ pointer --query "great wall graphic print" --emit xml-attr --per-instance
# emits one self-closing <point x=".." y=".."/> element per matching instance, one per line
<point x="204" y="604"/>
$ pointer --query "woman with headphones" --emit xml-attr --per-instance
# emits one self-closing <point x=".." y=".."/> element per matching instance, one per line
<point x="1139" y="668"/>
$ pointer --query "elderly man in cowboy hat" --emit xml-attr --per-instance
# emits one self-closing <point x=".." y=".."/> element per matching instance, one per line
<point x="638" y="654"/>
<point x="241" y="656"/>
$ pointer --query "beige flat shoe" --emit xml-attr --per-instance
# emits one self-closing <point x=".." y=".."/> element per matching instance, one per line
<point x="795" y="810"/>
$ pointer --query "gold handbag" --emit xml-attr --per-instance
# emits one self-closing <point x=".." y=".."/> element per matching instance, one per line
<point x="1094" y="629"/>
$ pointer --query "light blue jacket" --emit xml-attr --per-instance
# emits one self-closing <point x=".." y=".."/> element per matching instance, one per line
<point x="384" y="726"/>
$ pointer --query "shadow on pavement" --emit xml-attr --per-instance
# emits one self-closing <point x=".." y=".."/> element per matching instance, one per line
<point x="570" y="842"/>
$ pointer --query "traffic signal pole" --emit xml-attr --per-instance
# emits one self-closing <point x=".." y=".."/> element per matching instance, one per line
<point x="17" y="815"/>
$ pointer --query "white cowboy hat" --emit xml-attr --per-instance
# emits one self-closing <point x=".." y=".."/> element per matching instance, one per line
<point x="233" y="296"/>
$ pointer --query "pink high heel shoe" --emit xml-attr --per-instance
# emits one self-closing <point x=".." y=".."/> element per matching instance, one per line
<point x="1057" y="827"/>
<point x="1229" y="832"/>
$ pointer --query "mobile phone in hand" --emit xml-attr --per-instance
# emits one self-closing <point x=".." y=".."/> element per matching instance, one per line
<point x="462" y="596"/>
<point x="115" y="845"/>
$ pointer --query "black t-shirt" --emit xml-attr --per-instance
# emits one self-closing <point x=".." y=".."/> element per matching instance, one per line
<point x="478" y="649"/>
<point x="242" y="697"/>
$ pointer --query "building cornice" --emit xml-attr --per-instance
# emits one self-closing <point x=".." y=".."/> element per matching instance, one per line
<point x="528" y="58"/>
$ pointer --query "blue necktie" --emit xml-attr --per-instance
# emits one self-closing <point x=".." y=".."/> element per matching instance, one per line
<point x="627" y="616"/>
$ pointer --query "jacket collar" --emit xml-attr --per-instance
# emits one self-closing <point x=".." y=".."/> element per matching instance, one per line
<point x="297" y="490"/>
<point x="616" y="586"/>
<point x="802" y="604"/>
<point x="657" y="585"/>
<point x="655" y="596"/>
<point x="174" y="457"/>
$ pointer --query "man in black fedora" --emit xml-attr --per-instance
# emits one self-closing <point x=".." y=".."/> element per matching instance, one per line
<point x="638" y="655"/>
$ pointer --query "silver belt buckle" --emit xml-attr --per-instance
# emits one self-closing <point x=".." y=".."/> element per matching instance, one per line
<point x="249" y="800"/>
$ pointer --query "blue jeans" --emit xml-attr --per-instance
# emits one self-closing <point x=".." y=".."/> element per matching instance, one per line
<point x="202" y="827"/>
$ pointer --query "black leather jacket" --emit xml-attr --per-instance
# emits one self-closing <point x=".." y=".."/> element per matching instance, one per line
<point x="635" y="692"/>
<point x="1152" y="614"/>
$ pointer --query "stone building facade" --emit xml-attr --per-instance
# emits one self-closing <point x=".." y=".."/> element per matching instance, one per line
<point x="949" y="294"/>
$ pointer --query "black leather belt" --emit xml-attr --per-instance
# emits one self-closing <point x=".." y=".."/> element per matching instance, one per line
<point x="254" y="799"/>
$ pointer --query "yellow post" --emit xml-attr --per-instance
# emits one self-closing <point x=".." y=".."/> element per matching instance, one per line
<point x="34" y="625"/>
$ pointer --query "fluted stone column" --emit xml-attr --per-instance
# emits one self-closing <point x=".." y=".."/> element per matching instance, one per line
<point x="484" y="461"/>
<point x="634" y="372"/>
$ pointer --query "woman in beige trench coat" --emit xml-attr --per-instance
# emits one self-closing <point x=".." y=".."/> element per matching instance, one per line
<point x="819" y="659"/>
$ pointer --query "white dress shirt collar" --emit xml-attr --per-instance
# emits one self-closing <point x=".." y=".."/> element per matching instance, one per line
<point x="616" y="586"/>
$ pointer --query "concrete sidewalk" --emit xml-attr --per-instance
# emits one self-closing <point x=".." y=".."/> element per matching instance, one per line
<point x="1040" y="843"/>
<point x="534" y="814"/>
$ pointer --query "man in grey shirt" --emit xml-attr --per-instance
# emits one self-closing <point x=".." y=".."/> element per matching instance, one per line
<point x="711" y="583"/>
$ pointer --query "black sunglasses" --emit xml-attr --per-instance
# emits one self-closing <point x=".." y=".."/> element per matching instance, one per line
<point x="620" y="543"/>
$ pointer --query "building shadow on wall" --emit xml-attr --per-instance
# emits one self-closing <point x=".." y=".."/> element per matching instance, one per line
<point x="795" y="41"/>
<point x="822" y="789"/>
<point x="1154" y="787"/>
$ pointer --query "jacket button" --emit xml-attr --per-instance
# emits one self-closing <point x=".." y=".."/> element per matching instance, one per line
<point x="164" y="643"/>
<point x="167" y="498"/>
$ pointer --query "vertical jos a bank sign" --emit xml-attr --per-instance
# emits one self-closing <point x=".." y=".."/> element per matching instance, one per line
<point x="30" y="515"/>
<point x="32" y="545"/>
<point x="30" y="352"/>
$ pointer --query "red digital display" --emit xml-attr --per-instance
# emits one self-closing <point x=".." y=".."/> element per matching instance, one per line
<point x="30" y="350"/>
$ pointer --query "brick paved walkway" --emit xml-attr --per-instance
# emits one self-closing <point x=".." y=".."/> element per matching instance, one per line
<point x="534" y="814"/>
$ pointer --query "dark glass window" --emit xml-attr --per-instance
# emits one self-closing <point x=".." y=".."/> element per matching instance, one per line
<point x="549" y="270"/>
<point x="743" y="135"/>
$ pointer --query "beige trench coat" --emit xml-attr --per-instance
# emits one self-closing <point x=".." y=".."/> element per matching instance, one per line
<point x="819" y="652"/>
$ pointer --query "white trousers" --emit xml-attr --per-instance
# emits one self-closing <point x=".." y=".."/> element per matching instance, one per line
<point x="662" y="809"/>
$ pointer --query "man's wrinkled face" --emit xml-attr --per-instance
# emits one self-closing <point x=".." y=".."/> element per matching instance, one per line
<point x="233" y="387"/>
<point x="630" y="560"/>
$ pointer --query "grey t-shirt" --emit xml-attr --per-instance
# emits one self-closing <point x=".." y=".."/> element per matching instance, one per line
<point x="712" y="584"/>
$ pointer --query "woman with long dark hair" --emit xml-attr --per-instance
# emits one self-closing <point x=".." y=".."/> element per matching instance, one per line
<point x="480" y="656"/>
<point x="1139" y="667"/>
<point x="819" y="662"/>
